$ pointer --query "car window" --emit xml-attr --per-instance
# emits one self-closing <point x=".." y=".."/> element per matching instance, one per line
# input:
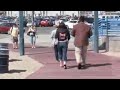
<point x="73" y="21"/>
<point x="116" y="17"/>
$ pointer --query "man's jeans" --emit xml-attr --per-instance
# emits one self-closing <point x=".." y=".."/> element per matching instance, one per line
<point x="62" y="50"/>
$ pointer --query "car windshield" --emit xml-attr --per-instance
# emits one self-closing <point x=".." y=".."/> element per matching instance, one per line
<point x="7" y="24"/>
<point x="73" y="21"/>
<point x="89" y="20"/>
<point x="64" y="20"/>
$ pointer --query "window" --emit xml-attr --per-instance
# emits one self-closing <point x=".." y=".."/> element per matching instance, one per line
<point x="73" y="21"/>
<point x="89" y="20"/>
<point x="116" y="16"/>
<point x="103" y="16"/>
<point x="111" y="17"/>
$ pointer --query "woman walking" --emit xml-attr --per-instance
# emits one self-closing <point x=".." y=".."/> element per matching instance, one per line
<point x="32" y="33"/>
<point x="63" y="37"/>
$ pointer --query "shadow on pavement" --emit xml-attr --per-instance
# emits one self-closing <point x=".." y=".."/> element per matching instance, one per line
<point x="37" y="47"/>
<point x="38" y="53"/>
<point x="16" y="71"/>
<point x="90" y="65"/>
<point x="71" y="60"/>
<point x="12" y="60"/>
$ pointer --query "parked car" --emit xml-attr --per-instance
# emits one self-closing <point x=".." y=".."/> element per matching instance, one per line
<point x="29" y="23"/>
<point x="71" y="23"/>
<point x="46" y="23"/>
<point x="5" y="27"/>
<point x="63" y="20"/>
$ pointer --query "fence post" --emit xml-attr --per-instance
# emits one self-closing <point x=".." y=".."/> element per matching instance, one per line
<point x="107" y="38"/>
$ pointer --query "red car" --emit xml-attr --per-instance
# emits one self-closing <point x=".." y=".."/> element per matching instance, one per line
<point x="5" y="27"/>
<point x="44" y="23"/>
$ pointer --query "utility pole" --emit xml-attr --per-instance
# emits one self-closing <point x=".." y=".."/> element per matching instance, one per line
<point x="46" y="13"/>
<point x="95" y="32"/>
<point x="43" y="13"/>
<point x="21" y="49"/>
<point x="11" y="13"/>
<point x="60" y="13"/>
<point x="63" y="13"/>
<point x="78" y="13"/>
<point x="32" y="16"/>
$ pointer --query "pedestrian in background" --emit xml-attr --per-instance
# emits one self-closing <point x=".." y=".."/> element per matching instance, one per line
<point x="82" y="33"/>
<point x="14" y="31"/>
<point x="63" y="37"/>
<point x="32" y="33"/>
<point x="54" y="41"/>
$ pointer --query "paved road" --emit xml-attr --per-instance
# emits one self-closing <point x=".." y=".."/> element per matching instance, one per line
<point x="4" y="36"/>
<point x="98" y="66"/>
<point x="44" y="30"/>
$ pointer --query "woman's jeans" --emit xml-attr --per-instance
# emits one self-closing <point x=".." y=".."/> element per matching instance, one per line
<point x="62" y="50"/>
<point x="56" y="52"/>
<point x="33" y="40"/>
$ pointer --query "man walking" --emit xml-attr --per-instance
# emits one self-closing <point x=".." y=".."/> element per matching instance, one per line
<point x="82" y="33"/>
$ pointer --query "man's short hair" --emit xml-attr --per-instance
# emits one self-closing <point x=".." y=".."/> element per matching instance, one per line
<point x="81" y="19"/>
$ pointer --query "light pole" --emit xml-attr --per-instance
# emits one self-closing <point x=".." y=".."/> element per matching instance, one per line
<point x="21" y="49"/>
<point x="63" y="13"/>
<point x="11" y="13"/>
<point x="60" y="13"/>
<point x="43" y="13"/>
<point x="32" y="16"/>
<point x="95" y="32"/>
<point x="78" y="13"/>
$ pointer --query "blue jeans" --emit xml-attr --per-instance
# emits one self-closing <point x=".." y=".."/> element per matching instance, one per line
<point x="33" y="40"/>
<point x="56" y="51"/>
<point x="62" y="50"/>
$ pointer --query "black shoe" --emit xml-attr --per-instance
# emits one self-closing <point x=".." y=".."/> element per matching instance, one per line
<point x="79" y="66"/>
<point x="84" y="67"/>
<point x="65" y="67"/>
<point x="57" y="60"/>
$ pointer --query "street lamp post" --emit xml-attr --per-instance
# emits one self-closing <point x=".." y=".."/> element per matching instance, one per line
<point x="95" y="32"/>
<point x="32" y="16"/>
<point x="11" y="13"/>
<point x="21" y="49"/>
<point x="60" y="13"/>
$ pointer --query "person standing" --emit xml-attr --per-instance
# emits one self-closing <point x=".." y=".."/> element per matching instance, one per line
<point x="82" y="33"/>
<point x="32" y="33"/>
<point x="63" y="37"/>
<point x="14" y="31"/>
<point x="55" y="45"/>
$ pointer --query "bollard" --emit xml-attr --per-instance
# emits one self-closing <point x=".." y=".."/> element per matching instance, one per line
<point x="4" y="57"/>
<point x="107" y="43"/>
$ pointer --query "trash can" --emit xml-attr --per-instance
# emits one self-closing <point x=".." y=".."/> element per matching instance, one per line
<point x="4" y="58"/>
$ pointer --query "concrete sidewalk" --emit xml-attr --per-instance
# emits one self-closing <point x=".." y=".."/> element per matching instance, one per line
<point x="20" y="66"/>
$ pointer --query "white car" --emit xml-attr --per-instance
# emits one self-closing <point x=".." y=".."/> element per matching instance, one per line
<point x="29" y="24"/>
<point x="71" y="23"/>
